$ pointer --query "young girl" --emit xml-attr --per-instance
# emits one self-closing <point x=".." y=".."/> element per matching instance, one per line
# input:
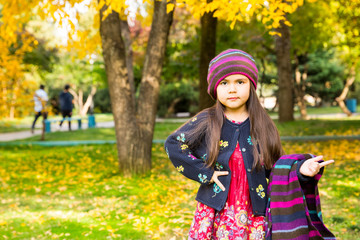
<point x="230" y="149"/>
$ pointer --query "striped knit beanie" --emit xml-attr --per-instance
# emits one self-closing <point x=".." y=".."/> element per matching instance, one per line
<point x="229" y="62"/>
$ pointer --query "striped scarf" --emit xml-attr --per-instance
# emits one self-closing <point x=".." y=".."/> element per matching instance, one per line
<point x="293" y="210"/>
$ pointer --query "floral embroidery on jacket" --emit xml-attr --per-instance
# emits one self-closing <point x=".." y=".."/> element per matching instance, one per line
<point x="249" y="140"/>
<point x="223" y="144"/>
<point x="180" y="168"/>
<point x="203" y="178"/>
<point x="194" y="119"/>
<point x="181" y="137"/>
<point x="204" y="157"/>
<point x="184" y="146"/>
<point x="216" y="189"/>
<point x="191" y="156"/>
<point x="260" y="191"/>
<point x="218" y="166"/>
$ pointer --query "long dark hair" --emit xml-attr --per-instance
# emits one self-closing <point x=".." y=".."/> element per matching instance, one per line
<point x="264" y="134"/>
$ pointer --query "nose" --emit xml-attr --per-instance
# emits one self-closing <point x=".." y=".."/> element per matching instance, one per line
<point x="232" y="88"/>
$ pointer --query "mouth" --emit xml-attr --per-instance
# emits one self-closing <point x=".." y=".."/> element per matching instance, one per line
<point x="233" y="98"/>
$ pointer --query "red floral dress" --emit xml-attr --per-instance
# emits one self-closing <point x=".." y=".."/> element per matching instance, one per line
<point x="236" y="220"/>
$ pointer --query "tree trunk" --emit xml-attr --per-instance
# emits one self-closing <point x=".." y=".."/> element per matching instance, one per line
<point x="349" y="81"/>
<point x="134" y="130"/>
<point x="76" y="98"/>
<point x="171" y="108"/>
<point x="207" y="52"/>
<point x="125" y="33"/>
<point x="88" y="102"/>
<point x="286" y="101"/>
<point x="81" y="99"/>
<point x="300" y="88"/>
<point x="149" y="88"/>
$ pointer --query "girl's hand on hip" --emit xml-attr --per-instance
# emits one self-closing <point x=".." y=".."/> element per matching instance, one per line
<point x="311" y="167"/>
<point x="215" y="179"/>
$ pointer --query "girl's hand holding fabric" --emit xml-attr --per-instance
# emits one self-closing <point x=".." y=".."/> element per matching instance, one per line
<point x="215" y="179"/>
<point x="312" y="166"/>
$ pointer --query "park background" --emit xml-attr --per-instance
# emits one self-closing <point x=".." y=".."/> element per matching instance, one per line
<point x="140" y="68"/>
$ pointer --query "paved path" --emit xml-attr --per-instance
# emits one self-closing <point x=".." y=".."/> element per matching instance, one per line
<point x="4" y="137"/>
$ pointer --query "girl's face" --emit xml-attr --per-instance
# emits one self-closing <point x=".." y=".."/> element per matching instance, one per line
<point x="233" y="92"/>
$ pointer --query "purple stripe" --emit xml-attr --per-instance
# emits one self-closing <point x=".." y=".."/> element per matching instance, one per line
<point x="317" y="202"/>
<point x="285" y="177"/>
<point x="285" y="193"/>
<point x="276" y="180"/>
<point x="232" y="51"/>
<point x="293" y="179"/>
<point x="219" y="61"/>
<point x="230" y="59"/>
<point x="290" y="225"/>
<point x="294" y="156"/>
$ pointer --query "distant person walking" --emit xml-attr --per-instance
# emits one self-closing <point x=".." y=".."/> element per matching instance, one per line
<point x="40" y="99"/>
<point x="66" y="104"/>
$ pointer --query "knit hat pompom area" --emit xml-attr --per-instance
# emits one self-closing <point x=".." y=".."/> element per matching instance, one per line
<point x="230" y="62"/>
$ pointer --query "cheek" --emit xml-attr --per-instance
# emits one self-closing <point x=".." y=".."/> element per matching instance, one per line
<point x="220" y="90"/>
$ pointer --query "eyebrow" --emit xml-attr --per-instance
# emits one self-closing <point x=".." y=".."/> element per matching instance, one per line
<point x="239" y="78"/>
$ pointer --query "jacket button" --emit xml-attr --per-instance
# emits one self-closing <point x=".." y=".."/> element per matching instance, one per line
<point x="252" y="189"/>
<point x="249" y="170"/>
<point x="243" y="149"/>
<point x="237" y="130"/>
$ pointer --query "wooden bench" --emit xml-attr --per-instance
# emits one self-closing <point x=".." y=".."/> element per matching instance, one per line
<point x="91" y="122"/>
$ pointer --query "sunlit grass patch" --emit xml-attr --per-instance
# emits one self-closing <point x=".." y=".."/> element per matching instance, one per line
<point x="77" y="193"/>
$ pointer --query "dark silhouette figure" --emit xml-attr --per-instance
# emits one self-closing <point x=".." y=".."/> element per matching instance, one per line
<point x="66" y="104"/>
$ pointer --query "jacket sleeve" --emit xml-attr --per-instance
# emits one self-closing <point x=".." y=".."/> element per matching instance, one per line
<point x="185" y="160"/>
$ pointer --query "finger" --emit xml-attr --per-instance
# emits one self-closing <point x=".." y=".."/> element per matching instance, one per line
<point x="222" y="173"/>
<point x="220" y="185"/>
<point x="316" y="159"/>
<point x="326" y="163"/>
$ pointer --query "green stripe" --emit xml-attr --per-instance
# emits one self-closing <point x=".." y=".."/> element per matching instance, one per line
<point x="283" y="166"/>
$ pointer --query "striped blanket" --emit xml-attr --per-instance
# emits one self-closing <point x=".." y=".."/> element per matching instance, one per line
<point x="293" y="210"/>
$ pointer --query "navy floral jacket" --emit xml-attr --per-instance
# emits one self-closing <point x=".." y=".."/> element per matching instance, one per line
<point x="191" y="163"/>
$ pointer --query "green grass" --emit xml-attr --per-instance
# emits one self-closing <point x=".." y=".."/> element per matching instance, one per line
<point x="77" y="193"/>
<point x="319" y="127"/>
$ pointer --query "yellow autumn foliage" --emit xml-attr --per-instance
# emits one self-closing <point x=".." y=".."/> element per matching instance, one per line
<point x="17" y="89"/>
<point x="271" y="11"/>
